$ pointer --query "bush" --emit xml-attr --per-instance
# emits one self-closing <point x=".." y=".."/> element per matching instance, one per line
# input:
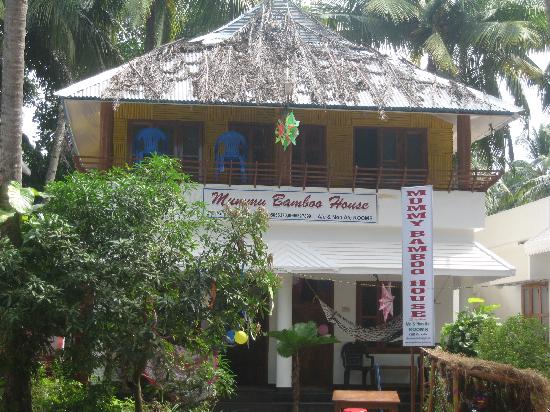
<point x="519" y="341"/>
<point x="461" y="336"/>
<point x="60" y="394"/>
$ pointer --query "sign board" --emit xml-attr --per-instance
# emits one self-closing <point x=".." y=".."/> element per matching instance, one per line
<point x="418" y="277"/>
<point x="297" y="205"/>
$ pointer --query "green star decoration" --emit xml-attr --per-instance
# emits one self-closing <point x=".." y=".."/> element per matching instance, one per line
<point x="286" y="132"/>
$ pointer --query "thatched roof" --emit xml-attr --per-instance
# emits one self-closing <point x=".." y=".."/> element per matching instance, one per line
<point x="276" y="54"/>
<point x="529" y="384"/>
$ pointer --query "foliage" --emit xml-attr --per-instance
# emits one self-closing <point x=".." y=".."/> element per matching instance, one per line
<point x="61" y="394"/>
<point x="525" y="181"/>
<point x="462" y="335"/>
<point x="122" y="265"/>
<point x="519" y="341"/>
<point x="300" y="336"/>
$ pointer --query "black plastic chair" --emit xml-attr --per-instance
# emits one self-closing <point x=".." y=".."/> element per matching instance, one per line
<point x="353" y="356"/>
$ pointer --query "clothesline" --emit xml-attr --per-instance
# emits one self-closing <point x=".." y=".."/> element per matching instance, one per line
<point x="374" y="284"/>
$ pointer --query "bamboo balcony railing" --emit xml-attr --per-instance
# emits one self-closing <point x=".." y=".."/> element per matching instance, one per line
<point x="306" y="175"/>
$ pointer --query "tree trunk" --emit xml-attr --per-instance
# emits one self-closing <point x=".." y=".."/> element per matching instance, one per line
<point x="13" y="74"/>
<point x="151" y="27"/>
<point x="58" y="139"/>
<point x="547" y="7"/>
<point x="17" y="390"/>
<point x="138" y="397"/>
<point x="296" y="383"/>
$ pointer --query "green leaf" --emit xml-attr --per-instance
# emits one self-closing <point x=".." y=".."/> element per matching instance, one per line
<point x="301" y="335"/>
<point x="5" y="215"/>
<point x="20" y="198"/>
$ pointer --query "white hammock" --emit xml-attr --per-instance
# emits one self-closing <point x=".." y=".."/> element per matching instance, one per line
<point x="389" y="332"/>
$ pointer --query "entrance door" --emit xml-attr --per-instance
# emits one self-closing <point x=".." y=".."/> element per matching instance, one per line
<point x="249" y="362"/>
<point x="316" y="362"/>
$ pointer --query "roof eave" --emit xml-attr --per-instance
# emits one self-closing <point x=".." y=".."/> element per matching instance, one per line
<point x="435" y="110"/>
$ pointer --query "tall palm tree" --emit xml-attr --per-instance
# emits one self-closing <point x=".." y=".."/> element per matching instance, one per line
<point x="66" y="40"/>
<point x="525" y="181"/>
<point x="477" y="42"/>
<point x="13" y="74"/>
<point x="167" y="20"/>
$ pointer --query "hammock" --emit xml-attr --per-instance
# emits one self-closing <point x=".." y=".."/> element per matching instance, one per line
<point x="389" y="332"/>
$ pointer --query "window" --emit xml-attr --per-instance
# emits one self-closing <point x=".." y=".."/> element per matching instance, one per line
<point x="390" y="148"/>
<point x="534" y="301"/>
<point x="368" y="295"/>
<point x="310" y="146"/>
<point x="179" y="139"/>
<point x="260" y="139"/>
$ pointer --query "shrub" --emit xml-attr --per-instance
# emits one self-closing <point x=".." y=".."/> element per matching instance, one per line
<point x="461" y="336"/>
<point x="519" y="341"/>
<point x="60" y="394"/>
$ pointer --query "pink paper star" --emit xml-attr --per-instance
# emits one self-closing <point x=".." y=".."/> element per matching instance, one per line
<point x="386" y="301"/>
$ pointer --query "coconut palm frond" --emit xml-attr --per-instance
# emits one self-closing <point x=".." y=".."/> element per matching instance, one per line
<point x="536" y="188"/>
<point x="443" y="59"/>
<point x="507" y="35"/>
<point x="396" y="11"/>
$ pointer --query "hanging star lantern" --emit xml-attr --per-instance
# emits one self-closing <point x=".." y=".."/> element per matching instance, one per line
<point x="287" y="131"/>
<point x="386" y="301"/>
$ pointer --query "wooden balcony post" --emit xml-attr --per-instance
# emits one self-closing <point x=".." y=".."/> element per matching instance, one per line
<point x="464" y="150"/>
<point x="106" y="121"/>
<point x="456" y="390"/>
<point x="284" y="158"/>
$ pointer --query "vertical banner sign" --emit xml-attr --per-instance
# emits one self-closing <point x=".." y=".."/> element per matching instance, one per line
<point x="418" y="277"/>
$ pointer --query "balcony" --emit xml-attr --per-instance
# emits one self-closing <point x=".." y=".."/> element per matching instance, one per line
<point x="304" y="175"/>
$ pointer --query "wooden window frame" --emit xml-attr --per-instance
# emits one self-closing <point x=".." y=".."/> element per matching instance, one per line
<point x="402" y="133"/>
<point x="532" y="288"/>
<point x="232" y="124"/>
<point x="323" y="136"/>
<point x="132" y="124"/>
<point x="359" y="307"/>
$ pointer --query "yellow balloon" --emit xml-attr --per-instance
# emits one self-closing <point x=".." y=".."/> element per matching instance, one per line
<point x="241" y="337"/>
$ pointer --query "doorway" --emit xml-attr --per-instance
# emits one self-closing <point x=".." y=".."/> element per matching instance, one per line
<point x="317" y="361"/>
<point x="249" y="362"/>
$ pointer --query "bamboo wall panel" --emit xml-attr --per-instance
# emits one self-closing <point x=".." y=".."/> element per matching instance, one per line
<point x="339" y="129"/>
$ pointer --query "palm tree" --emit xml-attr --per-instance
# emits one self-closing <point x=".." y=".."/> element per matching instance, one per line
<point x="477" y="42"/>
<point x="525" y="181"/>
<point x="13" y="74"/>
<point x="291" y="342"/>
<point x="167" y="20"/>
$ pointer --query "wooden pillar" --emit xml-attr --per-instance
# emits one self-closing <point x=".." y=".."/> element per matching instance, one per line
<point x="464" y="150"/>
<point x="456" y="390"/>
<point x="413" y="381"/>
<point x="433" y="366"/>
<point x="106" y="122"/>
<point x="284" y="161"/>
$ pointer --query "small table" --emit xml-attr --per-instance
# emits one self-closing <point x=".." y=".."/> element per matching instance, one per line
<point x="388" y="400"/>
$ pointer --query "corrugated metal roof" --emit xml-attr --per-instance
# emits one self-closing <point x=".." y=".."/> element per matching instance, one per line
<point x="539" y="243"/>
<point x="365" y="258"/>
<point x="387" y="76"/>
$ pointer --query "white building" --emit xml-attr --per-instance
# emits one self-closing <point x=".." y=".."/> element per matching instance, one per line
<point x="370" y="124"/>
<point x="521" y="236"/>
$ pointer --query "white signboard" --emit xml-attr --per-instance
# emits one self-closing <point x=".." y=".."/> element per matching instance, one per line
<point x="298" y="205"/>
<point x="418" y="278"/>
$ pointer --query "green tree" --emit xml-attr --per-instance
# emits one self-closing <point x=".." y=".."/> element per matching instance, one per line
<point x="519" y="341"/>
<point x="525" y="181"/>
<point x="462" y="335"/>
<point x="291" y="342"/>
<point x="13" y="74"/>
<point x="125" y="267"/>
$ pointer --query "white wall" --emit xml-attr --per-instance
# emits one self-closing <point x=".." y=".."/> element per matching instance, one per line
<point x="452" y="210"/>
<point x="506" y="232"/>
